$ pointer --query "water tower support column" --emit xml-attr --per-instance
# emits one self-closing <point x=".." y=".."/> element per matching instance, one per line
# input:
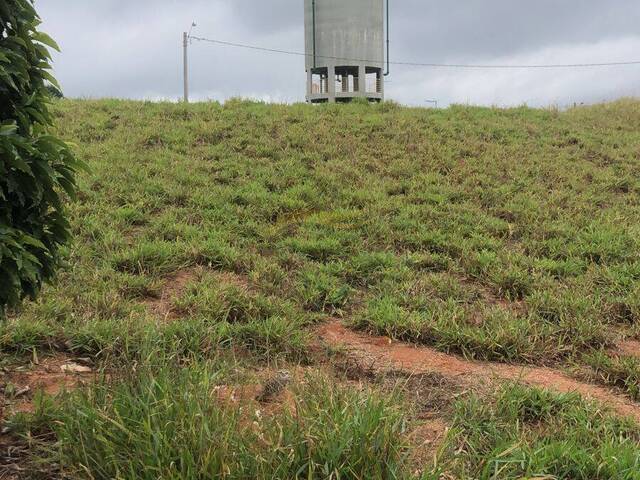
<point x="331" y="79"/>
<point x="362" y="77"/>
<point x="309" y="85"/>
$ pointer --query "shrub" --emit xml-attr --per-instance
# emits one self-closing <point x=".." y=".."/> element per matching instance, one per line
<point x="35" y="167"/>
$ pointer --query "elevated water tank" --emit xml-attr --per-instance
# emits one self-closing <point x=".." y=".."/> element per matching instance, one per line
<point x="344" y="46"/>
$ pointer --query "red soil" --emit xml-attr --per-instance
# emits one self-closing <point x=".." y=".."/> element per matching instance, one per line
<point x="630" y="348"/>
<point x="382" y="353"/>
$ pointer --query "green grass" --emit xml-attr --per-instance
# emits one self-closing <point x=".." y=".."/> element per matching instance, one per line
<point x="521" y="225"/>
<point x="619" y="371"/>
<point x="502" y="234"/>
<point x="531" y="433"/>
<point x="168" y="422"/>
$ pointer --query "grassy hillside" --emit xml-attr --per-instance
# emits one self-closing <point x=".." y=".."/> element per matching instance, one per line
<point x="210" y="240"/>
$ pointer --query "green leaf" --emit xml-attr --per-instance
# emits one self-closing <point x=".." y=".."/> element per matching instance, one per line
<point x="17" y="162"/>
<point x="34" y="242"/>
<point x="45" y="39"/>
<point x="6" y="130"/>
<point x="37" y="115"/>
<point x="68" y="187"/>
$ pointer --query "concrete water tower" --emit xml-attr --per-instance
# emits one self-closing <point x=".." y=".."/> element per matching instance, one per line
<point x="344" y="46"/>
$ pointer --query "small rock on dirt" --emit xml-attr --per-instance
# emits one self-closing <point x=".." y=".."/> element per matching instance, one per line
<point x="75" y="368"/>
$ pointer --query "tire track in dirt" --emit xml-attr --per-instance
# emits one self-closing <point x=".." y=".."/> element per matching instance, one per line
<point x="381" y="353"/>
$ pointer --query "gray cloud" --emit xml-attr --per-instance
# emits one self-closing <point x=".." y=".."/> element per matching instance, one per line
<point x="133" y="49"/>
<point x="470" y="29"/>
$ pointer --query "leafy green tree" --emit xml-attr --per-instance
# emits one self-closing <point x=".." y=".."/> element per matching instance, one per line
<point x="36" y="168"/>
<point x="54" y="92"/>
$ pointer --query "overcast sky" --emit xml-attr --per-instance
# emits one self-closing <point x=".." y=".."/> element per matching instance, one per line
<point x="132" y="49"/>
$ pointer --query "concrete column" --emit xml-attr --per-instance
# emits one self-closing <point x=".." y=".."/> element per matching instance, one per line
<point x="362" y="76"/>
<point x="331" y="79"/>
<point x="381" y="77"/>
<point x="309" y="85"/>
<point x="345" y="83"/>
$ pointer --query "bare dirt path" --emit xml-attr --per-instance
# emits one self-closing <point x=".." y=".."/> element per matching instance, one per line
<point x="630" y="348"/>
<point x="381" y="353"/>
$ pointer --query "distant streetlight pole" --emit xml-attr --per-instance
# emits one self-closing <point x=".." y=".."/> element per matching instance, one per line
<point x="185" y="54"/>
<point x="433" y="102"/>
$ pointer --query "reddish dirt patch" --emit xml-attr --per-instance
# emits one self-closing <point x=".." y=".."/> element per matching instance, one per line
<point x="174" y="286"/>
<point x="18" y="388"/>
<point x="246" y="397"/>
<point x="490" y="297"/>
<point x="630" y="348"/>
<point x="236" y="394"/>
<point x="50" y="375"/>
<point x="235" y="280"/>
<point x="378" y="352"/>
<point x="425" y="440"/>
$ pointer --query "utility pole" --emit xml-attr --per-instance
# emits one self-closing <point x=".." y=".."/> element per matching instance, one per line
<point x="185" y="38"/>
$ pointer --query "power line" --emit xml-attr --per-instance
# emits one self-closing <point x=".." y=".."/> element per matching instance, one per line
<point x="419" y="64"/>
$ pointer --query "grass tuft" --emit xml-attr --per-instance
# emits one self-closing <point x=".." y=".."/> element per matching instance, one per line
<point x="531" y="433"/>
<point x="177" y="423"/>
